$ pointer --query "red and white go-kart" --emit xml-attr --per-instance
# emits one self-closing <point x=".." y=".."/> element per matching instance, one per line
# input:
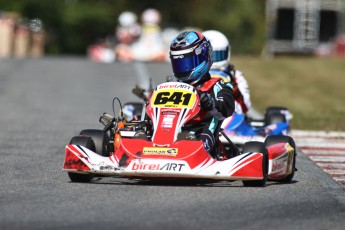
<point x="159" y="146"/>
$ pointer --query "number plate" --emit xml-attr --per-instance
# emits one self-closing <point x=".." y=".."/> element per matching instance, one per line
<point x="173" y="98"/>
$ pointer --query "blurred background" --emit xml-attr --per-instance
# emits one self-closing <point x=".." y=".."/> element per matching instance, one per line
<point x="70" y="26"/>
<point x="291" y="51"/>
<point x="55" y="27"/>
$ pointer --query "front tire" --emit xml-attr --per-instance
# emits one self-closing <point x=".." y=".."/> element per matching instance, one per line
<point x="274" y="139"/>
<point x="100" y="138"/>
<point x="86" y="142"/>
<point x="256" y="146"/>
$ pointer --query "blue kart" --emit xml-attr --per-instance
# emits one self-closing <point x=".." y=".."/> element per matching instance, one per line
<point x="241" y="129"/>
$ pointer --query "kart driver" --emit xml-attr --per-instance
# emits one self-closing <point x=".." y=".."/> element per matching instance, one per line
<point x="191" y="59"/>
<point x="222" y="68"/>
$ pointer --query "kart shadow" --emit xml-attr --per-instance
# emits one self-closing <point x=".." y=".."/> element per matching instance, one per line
<point x="274" y="182"/>
<point x="176" y="183"/>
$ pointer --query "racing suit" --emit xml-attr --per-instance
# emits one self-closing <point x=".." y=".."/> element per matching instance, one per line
<point x="207" y="125"/>
<point x="240" y="87"/>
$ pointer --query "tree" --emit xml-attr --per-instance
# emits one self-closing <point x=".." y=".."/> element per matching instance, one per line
<point x="74" y="24"/>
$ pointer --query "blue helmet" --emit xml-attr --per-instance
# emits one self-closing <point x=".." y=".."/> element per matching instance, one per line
<point x="191" y="57"/>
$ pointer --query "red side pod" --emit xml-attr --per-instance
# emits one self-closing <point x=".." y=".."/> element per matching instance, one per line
<point x="250" y="167"/>
<point x="72" y="161"/>
<point x="276" y="150"/>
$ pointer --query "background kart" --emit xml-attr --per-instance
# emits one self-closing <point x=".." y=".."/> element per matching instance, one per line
<point x="156" y="148"/>
<point x="241" y="129"/>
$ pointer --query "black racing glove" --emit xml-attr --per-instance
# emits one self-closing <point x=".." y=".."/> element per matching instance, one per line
<point x="206" y="102"/>
<point x="140" y="92"/>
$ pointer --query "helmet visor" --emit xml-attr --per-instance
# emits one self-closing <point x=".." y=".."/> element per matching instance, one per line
<point x="186" y="63"/>
<point x="220" y="55"/>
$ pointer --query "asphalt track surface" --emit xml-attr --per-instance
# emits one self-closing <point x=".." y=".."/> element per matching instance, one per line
<point x="44" y="102"/>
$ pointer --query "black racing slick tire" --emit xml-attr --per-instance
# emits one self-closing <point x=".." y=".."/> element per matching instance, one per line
<point x="256" y="146"/>
<point x="274" y="139"/>
<point x="275" y="109"/>
<point x="273" y="118"/>
<point x="100" y="138"/>
<point x="86" y="142"/>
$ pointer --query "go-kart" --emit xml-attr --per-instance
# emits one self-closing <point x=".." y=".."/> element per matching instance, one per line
<point x="158" y="146"/>
<point x="241" y="129"/>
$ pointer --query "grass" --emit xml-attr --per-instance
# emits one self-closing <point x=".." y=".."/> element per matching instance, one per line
<point x="312" y="88"/>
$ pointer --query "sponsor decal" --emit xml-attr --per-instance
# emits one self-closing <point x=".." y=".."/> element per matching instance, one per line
<point x="108" y="168"/>
<point x="168" y="121"/>
<point x="160" y="151"/>
<point x="183" y="86"/>
<point x="175" y="113"/>
<point x="167" y="86"/>
<point x="177" y="86"/>
<point x="177" y="56"/>
<point x="174" y="167"/>
<point x="198" y="50"/>
<point x="278" y="166"/>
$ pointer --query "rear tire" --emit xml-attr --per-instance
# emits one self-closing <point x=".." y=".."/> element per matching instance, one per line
<point x="274" y="139"/>
<point x="275" y="109"/>
<point x="273" y="118"/>
<point x="88" y="143"/>
<point x="278" y="109"/>
<point x="100" y="138"/>
<point x="256" y="146"/>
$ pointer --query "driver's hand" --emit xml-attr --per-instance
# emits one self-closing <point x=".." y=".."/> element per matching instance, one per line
<point x="206" y="102"/>
<point x="138" y="91"/>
